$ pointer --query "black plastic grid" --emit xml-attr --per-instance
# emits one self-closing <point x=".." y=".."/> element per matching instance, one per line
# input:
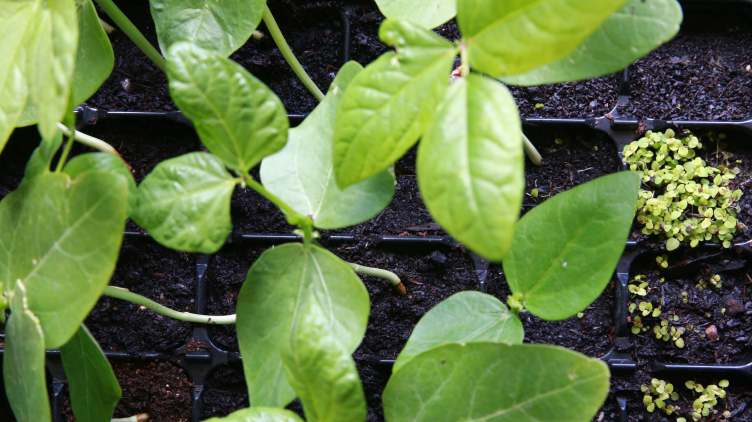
<point x="199" y="365"/>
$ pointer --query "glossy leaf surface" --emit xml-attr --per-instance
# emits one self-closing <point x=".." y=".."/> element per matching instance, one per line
<point x="630" y="33"/>
<point x="24" y="372"/>
<point x="321" y="371"/>
<point x="37" y="58"/>
<point x="61" y="239"/>
<point x="302" y="174"/>
<point x="471" y="165"/>
<point x="220" y="26"/>
<point x="94" y="390"/>
<point x="237" y="117"/>
<point x="184" y="203"/>
<point x="514" y="36"/>
<point x="94" y="61"/>
<point x="390" y="103"/>
<point x="259" y="414"/>
<point x="497" y="383"/>
<point x="566" y="249"/>
<point x="464" y="317"/>
<point x="278" y="285"/>
<point x="426" y="13"/>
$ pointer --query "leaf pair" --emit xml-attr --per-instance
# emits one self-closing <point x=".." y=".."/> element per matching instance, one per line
<point x="470" y="160"/>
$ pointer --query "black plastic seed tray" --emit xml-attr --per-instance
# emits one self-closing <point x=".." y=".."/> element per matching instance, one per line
<point x="199" y="365"/>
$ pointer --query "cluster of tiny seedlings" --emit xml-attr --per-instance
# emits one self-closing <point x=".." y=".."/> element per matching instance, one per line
<point x="684" y="199"/>
<point x="714" y="281"/>
<point x="662" y="260"/>
<point x="672" y="334"/>
<point x="703" y="405"/>
<point x="657" y="394"/>
<point x="639" y="287"/>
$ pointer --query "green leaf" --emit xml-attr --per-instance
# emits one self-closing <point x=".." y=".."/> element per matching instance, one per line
<point x="221" y="26"/>
<point x="61" y="238"/>
<point x="510" y="37"/>
<point x="497" y="382"/>
<point x="184" y="203"/>
<point x="237" y="117"/>
<point x="565" y="250"/>
<point x="94" y="61"/>
<point x="630" y="33"/>
<point x="94" y="390"/>
<point x="278" y="285"/>
<point x="100" y="161"/>
<point x="321" y="371"/>
<point x="672" y="243"/>
<point x="465" y="317"/>
<point x="426" y="13"/>
<point x="471" y="165"/>
<point x="259" y="414"/>
<point x="24" y="372"/>
<point x="41" y="158"/>
<point x="37" y="57"/>
<point x="391" y="102"/>
<point x="302" y="175"/>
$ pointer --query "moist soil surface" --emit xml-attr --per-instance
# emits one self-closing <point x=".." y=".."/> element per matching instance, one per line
<point x="702" y="74"/>
<point x="158" y="388"/>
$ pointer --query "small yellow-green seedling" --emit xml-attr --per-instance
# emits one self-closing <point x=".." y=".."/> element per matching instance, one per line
<point x="657" y="394"/>
<point x="638" y="286"/>
<point x="662" y="261"/>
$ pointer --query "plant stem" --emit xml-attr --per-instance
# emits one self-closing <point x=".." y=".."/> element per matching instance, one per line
<point x="279" y="39"/>
<point x="533" y="153"/>
<point x="377" y="272"/>
<point x="93" y="142"/>
<point x="136" y="418"/>
<point x="465" y="61"/>
<point x="124" y="294"/>
<point x="64" y="155"/>
<point x="132" y="32"/>
<point x="293" y="217"/>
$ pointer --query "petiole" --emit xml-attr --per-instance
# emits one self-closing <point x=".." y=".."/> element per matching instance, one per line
<point x="124" y="294"/>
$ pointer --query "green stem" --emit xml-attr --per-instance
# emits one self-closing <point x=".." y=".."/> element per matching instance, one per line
<point x="293" y="217"/>
<point x="279" y="39"/>
<point x="533" y="153"/>
<point x="124" y="294"/>
<point x="132" y="32"/>
<point x="465" y="61"/>
<point x="377" y="272"/>
<point x="64" y="156"/>
<point x="91" y="141"/>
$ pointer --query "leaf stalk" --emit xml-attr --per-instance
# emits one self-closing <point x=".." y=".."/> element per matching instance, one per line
<point x="533" y="153"/>
<point x="377" y="272"/>
<point x="279" y="39"/>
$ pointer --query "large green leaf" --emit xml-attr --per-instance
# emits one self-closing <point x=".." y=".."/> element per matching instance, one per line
<point x="94" y="61"/>
<point x="630" y="33"/>
<point x="302" y="174"/>
<point x="514" y="36"/>
<point x="259" y="414"/>
<point x="390" y="103"/>
<point x="321" y="371"/>
<point x="471" y="165"/>
<point x="237" y="117"/>
<point x="100" y="161"/>
<point x="37" y="58"/>
<point x="23" y="362"/>
<point x="61" y="238"/>
<point x="426" y="13"/>
<point x="221" y="26"/>
<point x="184" y="203"/>
<point x="465" y="317"/>
<point x="278" y="285"/>
<point x="496" y="382"/>
<point x="565" y="250"/>
<point x="94" y="390"/>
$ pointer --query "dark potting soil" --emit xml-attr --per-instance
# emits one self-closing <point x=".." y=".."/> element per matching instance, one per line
<point x="717" y="320"/>
<point x="158" y="388"/>
<point x="14" y="157"/>
<point x="160" y="274"/>
<point x="577" y="158"/>
<point x="702" y="74"/>
<point x="312" y="28"/>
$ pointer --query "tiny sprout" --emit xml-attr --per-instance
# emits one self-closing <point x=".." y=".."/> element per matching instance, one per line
<point x="534" y="193"/>
<point x="539" y="105"/>
<point x="580" y="315"/>
<point x="662" y="261"/>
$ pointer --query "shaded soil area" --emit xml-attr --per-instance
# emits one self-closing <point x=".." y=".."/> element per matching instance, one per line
<point x="702" y="74"/>
<point x="160" y="274"/>
<point x="733" y="152"/>
<point x="312" y="28"/>
<point x="14" y="157"/>
<point x="570" y="158"/>
<point x="716" y="320"/>
<point x="225" y="392"/>
<point x="158" y="388"/>
<point x="588" y="98"/>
